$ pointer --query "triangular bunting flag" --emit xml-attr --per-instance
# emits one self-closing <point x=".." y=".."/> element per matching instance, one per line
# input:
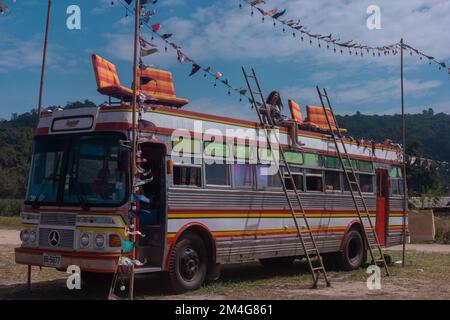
<point x="156" y="27"/>
<point x="3" y="7"/>
<point x="279" y="14"/>
<point x="147" y="52"/>
<point x="166" y="36"/>
<point x="256" y="2"/>
<point x="195" y="69"/>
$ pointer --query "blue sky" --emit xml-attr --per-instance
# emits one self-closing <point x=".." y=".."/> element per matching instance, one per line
<point x="220" y="35"/>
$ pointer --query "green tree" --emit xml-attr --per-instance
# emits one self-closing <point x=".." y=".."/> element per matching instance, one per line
<point x="423" y="175"/>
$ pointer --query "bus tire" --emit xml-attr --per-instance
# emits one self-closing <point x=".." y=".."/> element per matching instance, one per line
<point x="353" y="254"/>
<point x="277" y="262"/>
<point x="188" y="264"/>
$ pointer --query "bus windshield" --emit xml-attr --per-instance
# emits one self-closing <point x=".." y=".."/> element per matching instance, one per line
<point x="77" y="170"/>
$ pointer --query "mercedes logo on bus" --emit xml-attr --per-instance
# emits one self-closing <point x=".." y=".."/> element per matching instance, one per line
<point x="53" y="238"/>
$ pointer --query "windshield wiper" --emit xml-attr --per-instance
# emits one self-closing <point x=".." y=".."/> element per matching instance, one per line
<point x="82" y="202"/>
<point x="45" y="181"/>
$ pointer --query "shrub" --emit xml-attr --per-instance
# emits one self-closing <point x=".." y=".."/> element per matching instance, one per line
<point x="10" y="207"/>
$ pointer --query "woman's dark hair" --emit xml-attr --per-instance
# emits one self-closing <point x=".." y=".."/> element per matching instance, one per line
<point x="271" y="96"/>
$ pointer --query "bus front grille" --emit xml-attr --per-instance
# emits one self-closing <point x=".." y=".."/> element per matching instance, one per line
<point x="58" y="219"/>
<point x="56" y="238"/>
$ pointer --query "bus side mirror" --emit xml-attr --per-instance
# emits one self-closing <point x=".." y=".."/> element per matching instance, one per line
<point x="123" y="159"/>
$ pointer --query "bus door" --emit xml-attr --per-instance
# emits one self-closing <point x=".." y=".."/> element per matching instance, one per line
<point x="152" y="203"/>
<point x="382" y="205"/>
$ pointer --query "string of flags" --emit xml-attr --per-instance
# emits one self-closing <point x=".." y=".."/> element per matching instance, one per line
<point x="328" y="40"/>
<point x="4" y="8"/>
<point x="148" y="47"/>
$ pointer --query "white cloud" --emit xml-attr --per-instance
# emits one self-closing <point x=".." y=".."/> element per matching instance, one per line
<point x="172" y="3"/>
<point x="222" y="32"/>
<point x="366" y="96"/>
<point x="19" y="54"/>
<point x="233" y="109"/>
<point x="228" y="32"/>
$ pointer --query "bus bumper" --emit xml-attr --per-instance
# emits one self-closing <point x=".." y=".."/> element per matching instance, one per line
<point x="92" y="262"/>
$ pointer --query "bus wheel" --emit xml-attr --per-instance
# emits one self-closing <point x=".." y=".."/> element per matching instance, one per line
<point x="188" y="264"/>
<point x="277" y="262"/>
<point x="353" y="254"/>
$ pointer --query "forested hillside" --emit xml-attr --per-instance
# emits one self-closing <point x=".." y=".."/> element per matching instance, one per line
<point x="431" y="130"/>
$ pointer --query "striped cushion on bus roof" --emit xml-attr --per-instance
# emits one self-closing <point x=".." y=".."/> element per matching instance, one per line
<point x="105" y="73"/>
<point x="162" y="84"/>
<point x="316" y="117"/>
<point x="161" y="88"/>
<point x="295" y="111"/>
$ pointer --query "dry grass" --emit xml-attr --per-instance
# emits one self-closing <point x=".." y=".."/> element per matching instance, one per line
<point x="10" y="222"/>
<point x="440" y="222"/>
<point x="425" y="276"/>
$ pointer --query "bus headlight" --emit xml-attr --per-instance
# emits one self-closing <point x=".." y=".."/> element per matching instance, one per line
<point x="25" y="235"/>
<point x="84" y="240"/>
<point x="32" y="236"/>
<point x="99" y="240"/>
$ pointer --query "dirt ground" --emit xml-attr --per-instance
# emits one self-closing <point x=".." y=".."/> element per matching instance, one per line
<point x="425" y="276"/>
<point x="10" y="237"/>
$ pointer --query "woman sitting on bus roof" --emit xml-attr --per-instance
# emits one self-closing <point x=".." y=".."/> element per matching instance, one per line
<point x="276" y="118"/>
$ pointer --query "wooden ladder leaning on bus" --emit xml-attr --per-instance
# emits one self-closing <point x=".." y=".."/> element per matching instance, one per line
<point x="304" y="232"/>
<point x="370" y="237"/>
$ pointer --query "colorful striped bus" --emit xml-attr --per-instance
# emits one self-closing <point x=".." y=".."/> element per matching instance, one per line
<point x="207" y="194"/>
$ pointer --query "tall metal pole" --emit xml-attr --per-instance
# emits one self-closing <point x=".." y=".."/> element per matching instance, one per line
<point x="133" y="129"/>
<point x="403" y="133"/>
<point x="44" y="58"/>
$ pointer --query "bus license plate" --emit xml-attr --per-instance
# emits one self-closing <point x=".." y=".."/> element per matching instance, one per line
<point x="51" y="260"/>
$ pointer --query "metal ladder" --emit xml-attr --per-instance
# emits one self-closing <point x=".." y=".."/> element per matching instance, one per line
<point x="303" y="233"/>
<point x="351" y="178"/>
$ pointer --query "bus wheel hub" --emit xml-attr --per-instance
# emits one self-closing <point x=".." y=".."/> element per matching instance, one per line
<point x="189" y="263"/>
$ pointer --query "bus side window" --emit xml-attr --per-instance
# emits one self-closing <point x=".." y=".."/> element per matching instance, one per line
<point x="187" y="176"/>
<point x="396" y="186"/>
<point x="332" y="181"/>
<point x="314" y="180"/>
<point x="267" y="177"/>
<point x="366" y="183"/>
<point x="217" y="174"/>
<point x="243" y="175"/>
<point x="297" y="175"/>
